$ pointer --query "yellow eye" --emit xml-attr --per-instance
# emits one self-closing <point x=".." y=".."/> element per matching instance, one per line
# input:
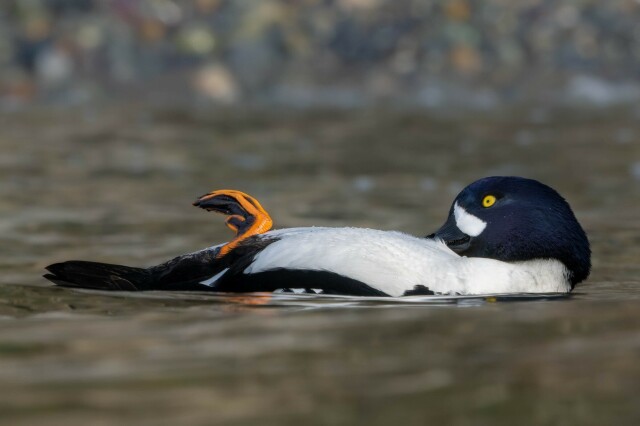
<point x="488" y="201"/>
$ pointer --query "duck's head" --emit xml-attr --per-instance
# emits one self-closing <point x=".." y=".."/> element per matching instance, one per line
<point x="516" y="219"/>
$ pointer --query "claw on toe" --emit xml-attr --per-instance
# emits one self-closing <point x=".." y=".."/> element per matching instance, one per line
<point x="246" y="216"/>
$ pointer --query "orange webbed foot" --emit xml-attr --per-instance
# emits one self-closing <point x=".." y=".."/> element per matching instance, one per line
<point x="246" y="216"/>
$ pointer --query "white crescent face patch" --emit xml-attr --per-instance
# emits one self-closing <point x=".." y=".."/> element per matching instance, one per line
<point x="468" y="223"/>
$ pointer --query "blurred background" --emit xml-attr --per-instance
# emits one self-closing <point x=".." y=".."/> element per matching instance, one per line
<point x="115" y="115"/>
<point x="345" y="53"/>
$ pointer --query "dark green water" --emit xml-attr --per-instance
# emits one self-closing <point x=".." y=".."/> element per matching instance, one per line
<point x="115" y="185"/>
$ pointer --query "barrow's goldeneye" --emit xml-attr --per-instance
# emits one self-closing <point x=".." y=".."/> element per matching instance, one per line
<point x="502" y="235"/>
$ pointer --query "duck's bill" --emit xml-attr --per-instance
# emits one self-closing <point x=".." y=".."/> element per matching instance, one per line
<point x="453" y="237"/>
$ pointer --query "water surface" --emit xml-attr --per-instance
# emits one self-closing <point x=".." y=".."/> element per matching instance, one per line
<point x="115" y="185"/>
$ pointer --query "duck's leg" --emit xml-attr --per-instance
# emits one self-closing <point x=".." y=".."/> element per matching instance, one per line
<point x="246" y="216"/>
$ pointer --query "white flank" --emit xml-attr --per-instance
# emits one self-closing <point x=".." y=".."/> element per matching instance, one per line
<point x="468" y="223"/>
<point x="391" y="262"/>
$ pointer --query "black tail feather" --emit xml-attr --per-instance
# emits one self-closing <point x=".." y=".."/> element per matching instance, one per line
<point x="100" y="276"/>
<point x="183" y="273"/>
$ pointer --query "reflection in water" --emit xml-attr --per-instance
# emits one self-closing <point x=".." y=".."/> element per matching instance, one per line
<point x="116" y="186"/>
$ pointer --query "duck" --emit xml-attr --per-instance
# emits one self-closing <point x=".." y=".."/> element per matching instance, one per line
<point x="502" y="235"/>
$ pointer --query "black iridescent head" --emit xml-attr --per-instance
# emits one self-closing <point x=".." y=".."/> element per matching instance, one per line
<point x="515" y="219"/>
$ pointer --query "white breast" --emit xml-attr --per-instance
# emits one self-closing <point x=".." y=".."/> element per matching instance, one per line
<point x="394" y="262"/>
